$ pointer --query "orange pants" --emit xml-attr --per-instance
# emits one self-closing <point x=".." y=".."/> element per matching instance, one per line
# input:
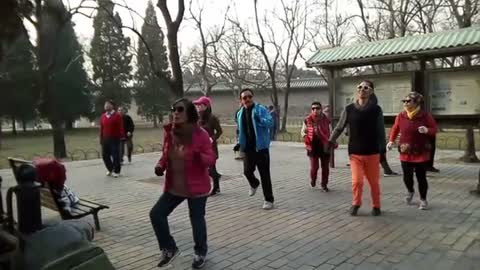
<point x="365" y="166"/>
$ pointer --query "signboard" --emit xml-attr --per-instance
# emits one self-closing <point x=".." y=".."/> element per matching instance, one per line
<point x="454" y="92"/>
<point x="389" y="89"/>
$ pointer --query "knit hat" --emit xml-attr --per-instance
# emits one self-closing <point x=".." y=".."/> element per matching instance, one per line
<point x="203" y="101"/>
<point x="416" y="97"/>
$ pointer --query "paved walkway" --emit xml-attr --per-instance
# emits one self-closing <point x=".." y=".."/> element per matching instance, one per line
<point x="308" y="229"/>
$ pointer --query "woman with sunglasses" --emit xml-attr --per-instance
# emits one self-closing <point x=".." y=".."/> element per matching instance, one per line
<point x="316" y="132"/>
<point x="186" y="156"/>
<point x="366" y="140"/>
<point x="416" y="127"/>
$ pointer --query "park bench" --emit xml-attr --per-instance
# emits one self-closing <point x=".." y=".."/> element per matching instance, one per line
<point x="79" y="210"/>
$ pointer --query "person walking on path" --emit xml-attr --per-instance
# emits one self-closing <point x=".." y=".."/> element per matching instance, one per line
<point x="364" y="119"/>
<point x="211" y="124"/>
<point x="254" y="122"/>
<point x="416" y="126"/>
<point x="186" y="156"/>
<point x="129" y="128"/>
<point x="111" y="134"/>
<point x="275" y="118"/>
<point x="316" y="132"/>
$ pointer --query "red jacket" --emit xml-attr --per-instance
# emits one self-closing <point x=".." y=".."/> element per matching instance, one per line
<point x="112" y="127"/>
<point x="413" y="145"/>
<point x="199" y="156"/>
<point x="323" y="130"/>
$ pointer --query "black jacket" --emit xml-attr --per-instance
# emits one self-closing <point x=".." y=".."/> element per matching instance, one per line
<point x="128" y="124"/>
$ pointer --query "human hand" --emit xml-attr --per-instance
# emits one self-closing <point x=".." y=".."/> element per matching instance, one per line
<point x="423" y="129"/>
<point x="158" y="171"/>
<point x="129" y="134"/>
<point x="389" y="146"/>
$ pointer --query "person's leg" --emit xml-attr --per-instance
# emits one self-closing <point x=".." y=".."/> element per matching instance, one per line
<point x="215" y="177"/>
<point x="263" y="163"/>
<point x="106" y="154"/>
<point x="421" y="173"/>
<point x="130" y="148"/>
<point x="249" y="163"/>
<point x="116" y="156"/>
<point x="325" y="161"/>
<point x="313" y="169"/>
<point x="122" y="150"/>
<point x="408" y="169"/>
<point x="196" y="207"/>
<point x="159" y="218"/>
<point x="384" y="162"/>
<point x="358" y="173"/>
<point x="372" y="172"/>
<point x="430" y="164"/>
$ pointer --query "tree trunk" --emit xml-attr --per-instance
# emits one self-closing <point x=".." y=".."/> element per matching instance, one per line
<point x="14" y="126"/>
<point x="59" y="147"/>
<point x="155" y="121"/>
<point x="24" y="125"/>
<point x="1" y="134"/>
<point x="470" y="155"/>
<point x="285" y="110"/>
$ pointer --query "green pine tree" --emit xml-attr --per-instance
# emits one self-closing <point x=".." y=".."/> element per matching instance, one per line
<point x="110" y="57"/>
<point x="151" y="92"/>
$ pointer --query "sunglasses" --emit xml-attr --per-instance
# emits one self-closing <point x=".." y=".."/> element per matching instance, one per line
<point x="178" y="109"/>
<point x="406" y="100"/>
<point x="246" y="97"/>
<point x="363" y="87"/>
<point x="316" y="108"/>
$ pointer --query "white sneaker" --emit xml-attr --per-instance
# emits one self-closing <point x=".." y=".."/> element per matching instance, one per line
<point x="423" y="205"/>
<point x="252" y="191"/>
<point x="409" y="198"/>
<point x="267" y="205"/>
<point x="115" y="175"/>
<point x="109" y="173"/>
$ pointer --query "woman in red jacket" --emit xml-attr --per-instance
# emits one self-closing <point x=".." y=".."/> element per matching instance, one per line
<point x="315" y="132"/>
<point x="415" y="126"/>
<point x="187" y="155"/>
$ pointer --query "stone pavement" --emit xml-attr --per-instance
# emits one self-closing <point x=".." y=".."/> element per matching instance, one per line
<point x="308" y="229"/>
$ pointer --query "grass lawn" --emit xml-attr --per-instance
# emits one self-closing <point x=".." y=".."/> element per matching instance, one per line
<point x="84" y="144"/>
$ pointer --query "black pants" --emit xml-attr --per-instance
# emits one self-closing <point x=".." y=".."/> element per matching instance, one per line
<point x="433" y="142"/>
<point x="159" y="218"/>
<point x="384" y="163"/>
<point x="212" y="171"/>
<point x="420" y="169"/>
<point x="111" y="154"/>
<point x="260" y="160"/>
<point x="129" y="143"/>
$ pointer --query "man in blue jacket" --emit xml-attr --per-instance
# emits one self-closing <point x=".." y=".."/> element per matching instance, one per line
<point x="254" y="122"/>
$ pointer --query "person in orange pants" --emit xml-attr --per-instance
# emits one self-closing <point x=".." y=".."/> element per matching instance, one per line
<point x="366" y="140"/>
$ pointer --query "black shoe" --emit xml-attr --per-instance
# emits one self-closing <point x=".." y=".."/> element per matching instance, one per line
<point x="129" y="160"/>
<point x="376" y="212"/>
<point x="325" y="189"/>
<point x="313" y="183"/>
<point x="390" y="174"/>
<point x="433" y="169"/>
<point x="354" y="210"/>
<point x="215" y="191"/>
<point x="167" y="257"/>
<point x="198" y="261"/>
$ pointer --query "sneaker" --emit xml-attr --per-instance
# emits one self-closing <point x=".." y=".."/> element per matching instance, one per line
<point x="115" y="175"/>
<point x="390" y="174"/>
<point x="409" y="198"/>
<point x="433" y="169"/>
<point x="252" y="191"/>
<point x="376" y="212"/>
<point x="109" y="173"/>
<point x="325" y="189"/>
<point x="423" y="205"/>
<point x="313" y="183"/>
<point x="167" y="257"/>
<point x="267" y="205"/>
<point x="354" y="210"/>
<point x="198" y="261"/>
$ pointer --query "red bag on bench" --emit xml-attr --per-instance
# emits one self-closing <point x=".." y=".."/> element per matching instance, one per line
<point x="51" y="171"/>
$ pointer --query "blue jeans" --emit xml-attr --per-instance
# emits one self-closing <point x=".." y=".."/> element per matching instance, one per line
<point x="111" y="154"/>
<point x="159" y="218"/>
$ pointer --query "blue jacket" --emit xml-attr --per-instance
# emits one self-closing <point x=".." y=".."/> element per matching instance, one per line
<point x="261" y="126"/>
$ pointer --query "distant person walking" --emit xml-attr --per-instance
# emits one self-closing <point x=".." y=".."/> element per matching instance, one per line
<point x="111" y="134"/>
<point x="316" y="132"/>
<point x="275" y="118"/>
<point x="254" y="122"/>
<point x="129" y="128"/>
<point x="211" y="124"/>
<point x="186" y="156"/>
<point x="366" y="140"/>
<point x="416" y="127"/>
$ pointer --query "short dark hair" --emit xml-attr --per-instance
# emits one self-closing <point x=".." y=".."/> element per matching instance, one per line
<point x="245" y="90"/>
<point x="270" y="107"/>
<point x="370" y="83"/>
<point x="190" y="110"/>
<point x="110" y="101"/>
<point x="317" y="103"/>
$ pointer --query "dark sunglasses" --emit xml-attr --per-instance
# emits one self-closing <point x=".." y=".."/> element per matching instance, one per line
<point x="316" y="108"/>
<point x="178" y="109"/>
<point x="247" y="97"/>
<point x="406" y="100"/>
<point x="363" y="87"/>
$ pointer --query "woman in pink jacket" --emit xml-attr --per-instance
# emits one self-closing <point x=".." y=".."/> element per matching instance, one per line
<point x="187" y="155"/>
